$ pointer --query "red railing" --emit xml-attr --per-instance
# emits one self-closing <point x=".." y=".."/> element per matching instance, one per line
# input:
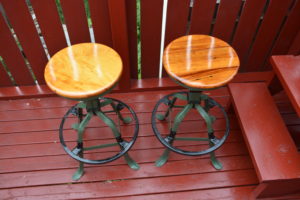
<point x="255" y="28"/>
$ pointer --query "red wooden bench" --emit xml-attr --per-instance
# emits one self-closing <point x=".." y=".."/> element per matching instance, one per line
<point x="287" y="69"/>
<point x="273" y="152"/>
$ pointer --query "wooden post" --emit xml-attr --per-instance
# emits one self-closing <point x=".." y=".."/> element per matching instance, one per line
<point x="118" y="20"/>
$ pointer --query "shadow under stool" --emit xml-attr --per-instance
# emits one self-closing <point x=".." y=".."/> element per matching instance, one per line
<point x="198" y="63"/>
<point x="85" y="73"/>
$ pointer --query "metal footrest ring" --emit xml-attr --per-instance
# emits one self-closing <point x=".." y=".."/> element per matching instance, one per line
<point x="214" y="142"/>
<point x="124" y="145"/>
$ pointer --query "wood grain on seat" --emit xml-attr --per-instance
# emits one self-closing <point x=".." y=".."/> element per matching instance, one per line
<point x="83" y="70"/>
<point x="201" y="61"/>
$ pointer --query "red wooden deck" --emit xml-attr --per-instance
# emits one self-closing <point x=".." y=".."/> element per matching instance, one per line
<point x="33" y="164"/>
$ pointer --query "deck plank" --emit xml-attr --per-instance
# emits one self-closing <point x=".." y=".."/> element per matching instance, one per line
<point x="34" y="165"/>
<point x="138" y="186"/>
<point x="148" y="170"/>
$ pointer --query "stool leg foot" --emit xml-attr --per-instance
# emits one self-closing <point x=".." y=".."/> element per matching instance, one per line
<point x="163" y="158"/>
<point x="131" y="163"/>
<point x="215" y="162"/>
<point x="79" y="172"/>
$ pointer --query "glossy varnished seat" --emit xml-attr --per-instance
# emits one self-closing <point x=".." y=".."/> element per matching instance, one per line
<point x="200" y="61"/>
<point x="83" y="70"/>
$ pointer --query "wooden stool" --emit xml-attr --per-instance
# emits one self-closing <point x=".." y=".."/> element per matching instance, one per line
<point x="85" y="72"/>
<point x="198" y="63"/>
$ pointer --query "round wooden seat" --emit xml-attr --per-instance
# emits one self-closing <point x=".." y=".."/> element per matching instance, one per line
<point x="200" y="61"/>
<point x="83" y="70"/>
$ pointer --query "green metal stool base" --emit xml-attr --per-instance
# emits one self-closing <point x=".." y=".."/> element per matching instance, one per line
<point x="195" y="100"/>
<point x="94" y="109"/>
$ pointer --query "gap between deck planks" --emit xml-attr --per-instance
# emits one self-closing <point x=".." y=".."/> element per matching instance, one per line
<point x="33" y="166"/>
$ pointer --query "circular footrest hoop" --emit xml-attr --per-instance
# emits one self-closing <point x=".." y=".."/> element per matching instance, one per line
<point x="124" y="145"/>
<point x="214" y="142"/>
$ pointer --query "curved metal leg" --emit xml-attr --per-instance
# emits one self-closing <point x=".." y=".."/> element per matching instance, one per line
<point x="79" y="148"/>
<point x="209" y="120"/>
<point x="117" y="109"/>
<point x="170" y="104"/>
<point x="109" y="122"/>
<point x="178" y="119"/>
<point x="214" y="161"/>
<point x="163" y="158"/>
<point x="79" y="172"/>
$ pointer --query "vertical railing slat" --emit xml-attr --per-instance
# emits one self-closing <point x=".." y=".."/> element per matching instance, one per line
<point x="202" y="16"/>
<point x="4" y="80"/>
<point x="118" y="19"/>
<point x="151" y="16"/>
<point x="177" y="20"/>
<point x="76" y="21"/>
<point x="12" y="56"/>
<point x="21" y="20"/>
<point x="132" y="33"/>
<point x="246" y="28"/>
<point x="288" y="33"/>
<point x="100" y="20"/>
<point x="51" y="27"/>
<point x="266" y="34"/>
<point x="226" y="18"/>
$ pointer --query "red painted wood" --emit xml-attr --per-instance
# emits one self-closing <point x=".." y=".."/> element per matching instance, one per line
<point x="46" y="125"/>
<point x="295" y="133"/>
<point x="54" y="148"/>
<point x="147" y="170"/>
<point x="5" y="80"/>
<point x="51" y="27"/>
<point x="166" y="83"/>
<point x="54" y="112"/>
<point x="295" y="47"/>
<point x="63" y="161"/>
<point x="15" y="64"/>
<point x="37" y="137"/>
<point x="282" y="162"/>
<point x="286" y="68"/>
<point x="202" y="16"/>
<point x="240" y="192"/>
<point x="216" y="194"/>
<point x="267" y="33"/>
<point x="288" y="33"/>
<point x="274" y="189"/>
<point x="151" y="84"/>
<point x="151" y="19"/>
<point x="100" y="21"/>
<point x="26" y="172"/>
<point x="137" y="85"/>
<point x="22" y="23"/>
<point x="246" y="28"/>
<point x="177" y="18"/>
<point x="76" y="21"/>
<point x="25" y="91"/>
<point x="149" y="186"/>
<point x="132" y="34"/>
<point x="118" y="20"/>
<point x="226" y="18"/>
